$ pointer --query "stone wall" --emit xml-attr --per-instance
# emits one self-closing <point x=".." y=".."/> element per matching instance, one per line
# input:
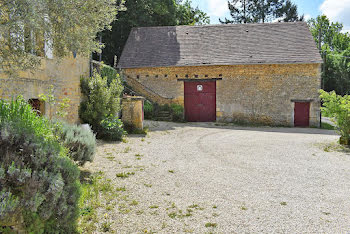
<point x="64" y="75"/>
<point x="133" y="111"/>
<point x="253" y="93"/>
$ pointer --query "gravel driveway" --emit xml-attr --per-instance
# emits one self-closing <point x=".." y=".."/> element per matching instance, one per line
<point x="204" y="178"/>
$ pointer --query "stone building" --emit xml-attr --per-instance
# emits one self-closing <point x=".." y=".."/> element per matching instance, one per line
<point x="266" y="73"/>
<point x="63" y="75"/>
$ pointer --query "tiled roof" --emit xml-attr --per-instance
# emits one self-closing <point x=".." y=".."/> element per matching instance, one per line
<point x="271" y="43"/>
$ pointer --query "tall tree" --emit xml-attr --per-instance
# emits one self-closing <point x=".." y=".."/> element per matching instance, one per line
<point x="262" y="11"/>
<point x="64" y="26"/>
<point x="145" y="13"/>
<point x="335" y="50"/>
<point x="241" y="11"/>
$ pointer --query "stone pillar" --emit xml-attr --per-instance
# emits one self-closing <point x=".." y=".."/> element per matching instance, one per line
<point x="132" y="112"/>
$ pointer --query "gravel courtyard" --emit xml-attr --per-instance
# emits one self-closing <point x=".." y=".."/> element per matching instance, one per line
<point x="204" y="178"/>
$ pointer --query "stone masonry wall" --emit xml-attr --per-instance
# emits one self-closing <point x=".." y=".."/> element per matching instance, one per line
<point x="252" y="93"/>
<point x="63" y="75"/>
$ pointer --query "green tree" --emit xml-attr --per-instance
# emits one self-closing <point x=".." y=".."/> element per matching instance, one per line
<point x="262" y="11"/>
<point x="145" y="13"/>
<point x="335" y="49"/>
<point x="241" y="11"/>
<point x="27" y="26"/>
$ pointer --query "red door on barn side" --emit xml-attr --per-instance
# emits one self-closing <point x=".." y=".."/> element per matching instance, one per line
<point x="200" y="101"/>
<point x="301" y="114"/>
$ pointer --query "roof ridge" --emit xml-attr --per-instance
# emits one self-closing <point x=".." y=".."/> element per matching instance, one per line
<point x="222" y="25"/>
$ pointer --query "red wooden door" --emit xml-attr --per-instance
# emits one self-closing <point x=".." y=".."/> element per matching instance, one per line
<point x="200" y="101"/>
<point x="301" y="114"/>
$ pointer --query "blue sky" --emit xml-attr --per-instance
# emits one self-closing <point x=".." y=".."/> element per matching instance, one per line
<point x="336" y="10"/>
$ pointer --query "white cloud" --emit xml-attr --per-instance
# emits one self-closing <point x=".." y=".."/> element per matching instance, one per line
<point x="307" y="17"/>
<point x="337" y="10"/>
<point x="217" y="8"/>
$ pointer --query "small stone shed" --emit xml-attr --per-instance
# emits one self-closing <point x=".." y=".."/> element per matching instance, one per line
<point x="266" y="73"/>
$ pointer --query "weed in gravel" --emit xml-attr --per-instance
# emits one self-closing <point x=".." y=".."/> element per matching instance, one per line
<point x="325" y="213"/>
<point x="154" y="207"/>
<point x="134" y="203"/>
<point x="124" y="140"/>
<point x="283" y="203"/>
<point x="215" y="215"/>
<point x="164" y="225"/>
<point x="139" y="212"/>
<point x="172" y="215"/>
<point x="110" y="158"/>
<point x="138" y="156"/>
<point x="143" y="139"/>
<point x="120" y="189"/>
<point x="127" y="167"/>
<point x="124" y="174"/>
<point x="215" y="206"/>
<point x="244" y="208"/>
<point x="171" y="171"/>
<point x="147" y="185"/>
<point x="106" y="226"/>
<point x="95" y="192"/>
<point x="214" y="225"/>
<point x="127" y="150"/>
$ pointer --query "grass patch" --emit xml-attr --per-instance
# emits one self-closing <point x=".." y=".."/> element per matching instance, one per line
<point x="154" y="207"/>
<point x="134" y="203"/>
<point x="96" y="190"/>
<point x="124" y="175"/>
<point x="120" y="189"/>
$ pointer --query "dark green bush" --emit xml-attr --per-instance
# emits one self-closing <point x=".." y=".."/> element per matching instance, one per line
<point x="100" y="100"/>
<point x="112" y="129"/>
<point x="148" y="110"/>
<point x="80" y="142"/>
<point x="39" y="184"/>
<point x="177" y="112"/>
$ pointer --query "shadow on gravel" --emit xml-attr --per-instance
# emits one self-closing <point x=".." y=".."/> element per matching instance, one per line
<point x="155" y="126"/>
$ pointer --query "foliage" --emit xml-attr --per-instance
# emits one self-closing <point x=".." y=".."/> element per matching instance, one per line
<point x="38" y="182"/>
<point x="112" y="129"/>
<point x="151" y="111"/>
<point x="100" y="99"/>
<point x="335" y="49"/>
<point x="51" y="100"/>
<point x="144" y="14"/>
<point x="262" y="11"/>
<point x="27" y="26"/>
<point x="148" y="110"/>
<point x="80" y="142"/>
<point x="177" y="112"/>
<point x="338" y="108"/>
<point x="96" y="193"/>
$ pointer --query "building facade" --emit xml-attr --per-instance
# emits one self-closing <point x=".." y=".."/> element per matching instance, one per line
<point x="263" y="73"/>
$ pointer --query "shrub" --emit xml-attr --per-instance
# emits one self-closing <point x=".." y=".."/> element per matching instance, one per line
<point x="112" y="129"/>
<point x="177" y="112"/>
<point x="100" y="100"/>
<point x="338" y="108"/>
<point x="80" y="142"/>
<point x="39" y="186"/>
<point x="148" y="110"/>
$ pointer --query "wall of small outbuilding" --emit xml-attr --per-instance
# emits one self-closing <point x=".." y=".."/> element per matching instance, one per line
<point x="248" y="93"/>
